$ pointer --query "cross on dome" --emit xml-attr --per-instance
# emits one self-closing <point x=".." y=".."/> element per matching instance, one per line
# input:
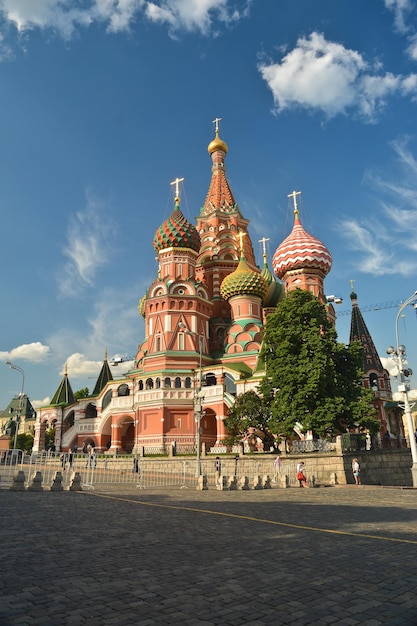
<point x="216" y="122"/>
<point x="263" y="242"/>
<point x="177" y="182"/>
<point x="294" y="195"/>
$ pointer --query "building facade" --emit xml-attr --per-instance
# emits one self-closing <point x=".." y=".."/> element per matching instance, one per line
<point x="203" y="315"/>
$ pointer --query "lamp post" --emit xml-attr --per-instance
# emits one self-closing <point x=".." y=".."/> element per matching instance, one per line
<point x="398" y="354"/>
<point x="20" y="405"/>
<point x="198" y="410"/>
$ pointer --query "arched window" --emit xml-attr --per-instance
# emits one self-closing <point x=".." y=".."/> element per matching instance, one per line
<point x="373" y="381"/>
<point x="229" y="384"/>
<point x="123" y="390"/>
<point x="209" y="379"/>
<point x="149" y="383"/>
<point x="91" y="410"/>
<point x="158" y="383"/>
<point x="177" y="382"/>
<point x="106" y="400"/>
<point x="141" y="385"/>
<point x="70" y="418"/>
<point x="188" y="382"/>
<point x="167" y="382"/>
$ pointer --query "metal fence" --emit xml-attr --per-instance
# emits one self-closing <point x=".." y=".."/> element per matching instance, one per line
<point x="143" y="472"/>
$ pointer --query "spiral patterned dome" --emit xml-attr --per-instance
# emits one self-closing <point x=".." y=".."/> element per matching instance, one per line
<point x="176" y="232"/>
<point x="244" y="281"/>
<point x="300" y="250"/>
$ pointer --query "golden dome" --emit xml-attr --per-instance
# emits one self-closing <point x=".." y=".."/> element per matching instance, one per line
<point x="217" y="144"/>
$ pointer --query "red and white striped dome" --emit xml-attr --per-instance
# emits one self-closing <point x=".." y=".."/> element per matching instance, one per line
<point x="300" y="250"/>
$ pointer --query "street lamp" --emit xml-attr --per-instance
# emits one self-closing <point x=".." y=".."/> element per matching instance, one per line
<point x="198" y="408"/>
<point x="20" y="405"/>
<point x="398" y="354"/>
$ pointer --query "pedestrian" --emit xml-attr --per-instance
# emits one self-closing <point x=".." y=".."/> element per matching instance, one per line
<point x="71" y="457"/>
<point x="301" y="477"/>
<point x="218" y="469"/>
<point x="135" y="469"/>
<point x="387" y="438"/>
<point x="277" y="466"/>
<point x="63" y="460"/>
<point x="356" y="469"/>
<point x="415" y="435"/>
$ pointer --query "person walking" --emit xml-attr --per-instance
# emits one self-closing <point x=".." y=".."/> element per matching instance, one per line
<point x="356" y="469"/>
<point x="301" y="477"/>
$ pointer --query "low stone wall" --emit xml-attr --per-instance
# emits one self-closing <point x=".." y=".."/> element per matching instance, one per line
<point x="382" y="467"/>
<point x="378" y="467"/>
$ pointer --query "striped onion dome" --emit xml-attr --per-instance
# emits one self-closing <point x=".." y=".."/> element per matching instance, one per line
<point x="244" y="281"/>
<point x="300" y="250"/>
<point x="275" y="289"/>
<point x="141" y="306"/>
<point x="176" y="232"/>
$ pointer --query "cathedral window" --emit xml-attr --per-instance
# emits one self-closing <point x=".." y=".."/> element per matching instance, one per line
<point x="149" y="383"/>
<point x="106" y="401"/>
<point x="158" y="344"/>
<point x="158" y="383"/>
<point x="123" y="390"/>
<point x="188" y="382"/>
<point x="180" y="341"/>
<point x="141" y="385"/>
<point x="177" y="383"/>
<point x="167" y="382"/>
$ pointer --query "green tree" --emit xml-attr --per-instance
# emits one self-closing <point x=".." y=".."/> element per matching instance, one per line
<point x="24" y="442"/>
<point x="81" y="393"/>
<point x="249" y="411"/>
<point x="311" y="379"/>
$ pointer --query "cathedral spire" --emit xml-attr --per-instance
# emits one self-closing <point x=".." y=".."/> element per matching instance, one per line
<point x="220" y="196"/>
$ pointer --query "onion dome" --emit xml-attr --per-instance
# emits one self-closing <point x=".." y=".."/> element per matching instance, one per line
<point x="176" y="232"/>
<point x="141" y="306"/>
<point x="217" y="144"/>
<point x="275" y="289"/>
<point x="300" y="250"/>
<point x="244" y="281"/>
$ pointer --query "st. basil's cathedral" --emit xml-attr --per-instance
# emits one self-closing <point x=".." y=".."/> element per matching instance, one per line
<point x="203" y="316"/>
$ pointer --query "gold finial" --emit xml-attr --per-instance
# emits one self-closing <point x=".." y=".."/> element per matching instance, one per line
<point x="217" y="143"/>
<point x="294" y="195"/>
<point x="177" y="182"/>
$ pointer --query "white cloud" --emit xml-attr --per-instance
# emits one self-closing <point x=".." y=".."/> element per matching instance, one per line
<point x="194" y="14"/>
<point x="412" y="47"/>
<point x="80" y="367"/>
<point x="65" y="16"/>
<point x="34" y="352"/>
<point x="387" y="247"/>
<point x="320" y="75"/>
<point x="38" y="403"/>
<point x="87" y="247"/>
<point x="401" y="10"/>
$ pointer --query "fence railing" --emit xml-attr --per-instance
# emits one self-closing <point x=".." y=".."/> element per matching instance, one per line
<point x="143" y="472"/>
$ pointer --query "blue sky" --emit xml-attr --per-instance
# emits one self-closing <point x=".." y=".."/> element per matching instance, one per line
<point x="105" y="102"/>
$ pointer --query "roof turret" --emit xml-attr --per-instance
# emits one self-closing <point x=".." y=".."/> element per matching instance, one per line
<point x="300" y="250"/>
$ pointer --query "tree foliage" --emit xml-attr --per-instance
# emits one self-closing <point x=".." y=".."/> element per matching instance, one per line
<point x="81" y="393"/>
<point x="310" y="377"/>
<point x="249" y="411"/>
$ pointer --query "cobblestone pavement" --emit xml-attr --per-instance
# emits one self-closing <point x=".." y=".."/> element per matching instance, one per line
<point x="341" y="555"/>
